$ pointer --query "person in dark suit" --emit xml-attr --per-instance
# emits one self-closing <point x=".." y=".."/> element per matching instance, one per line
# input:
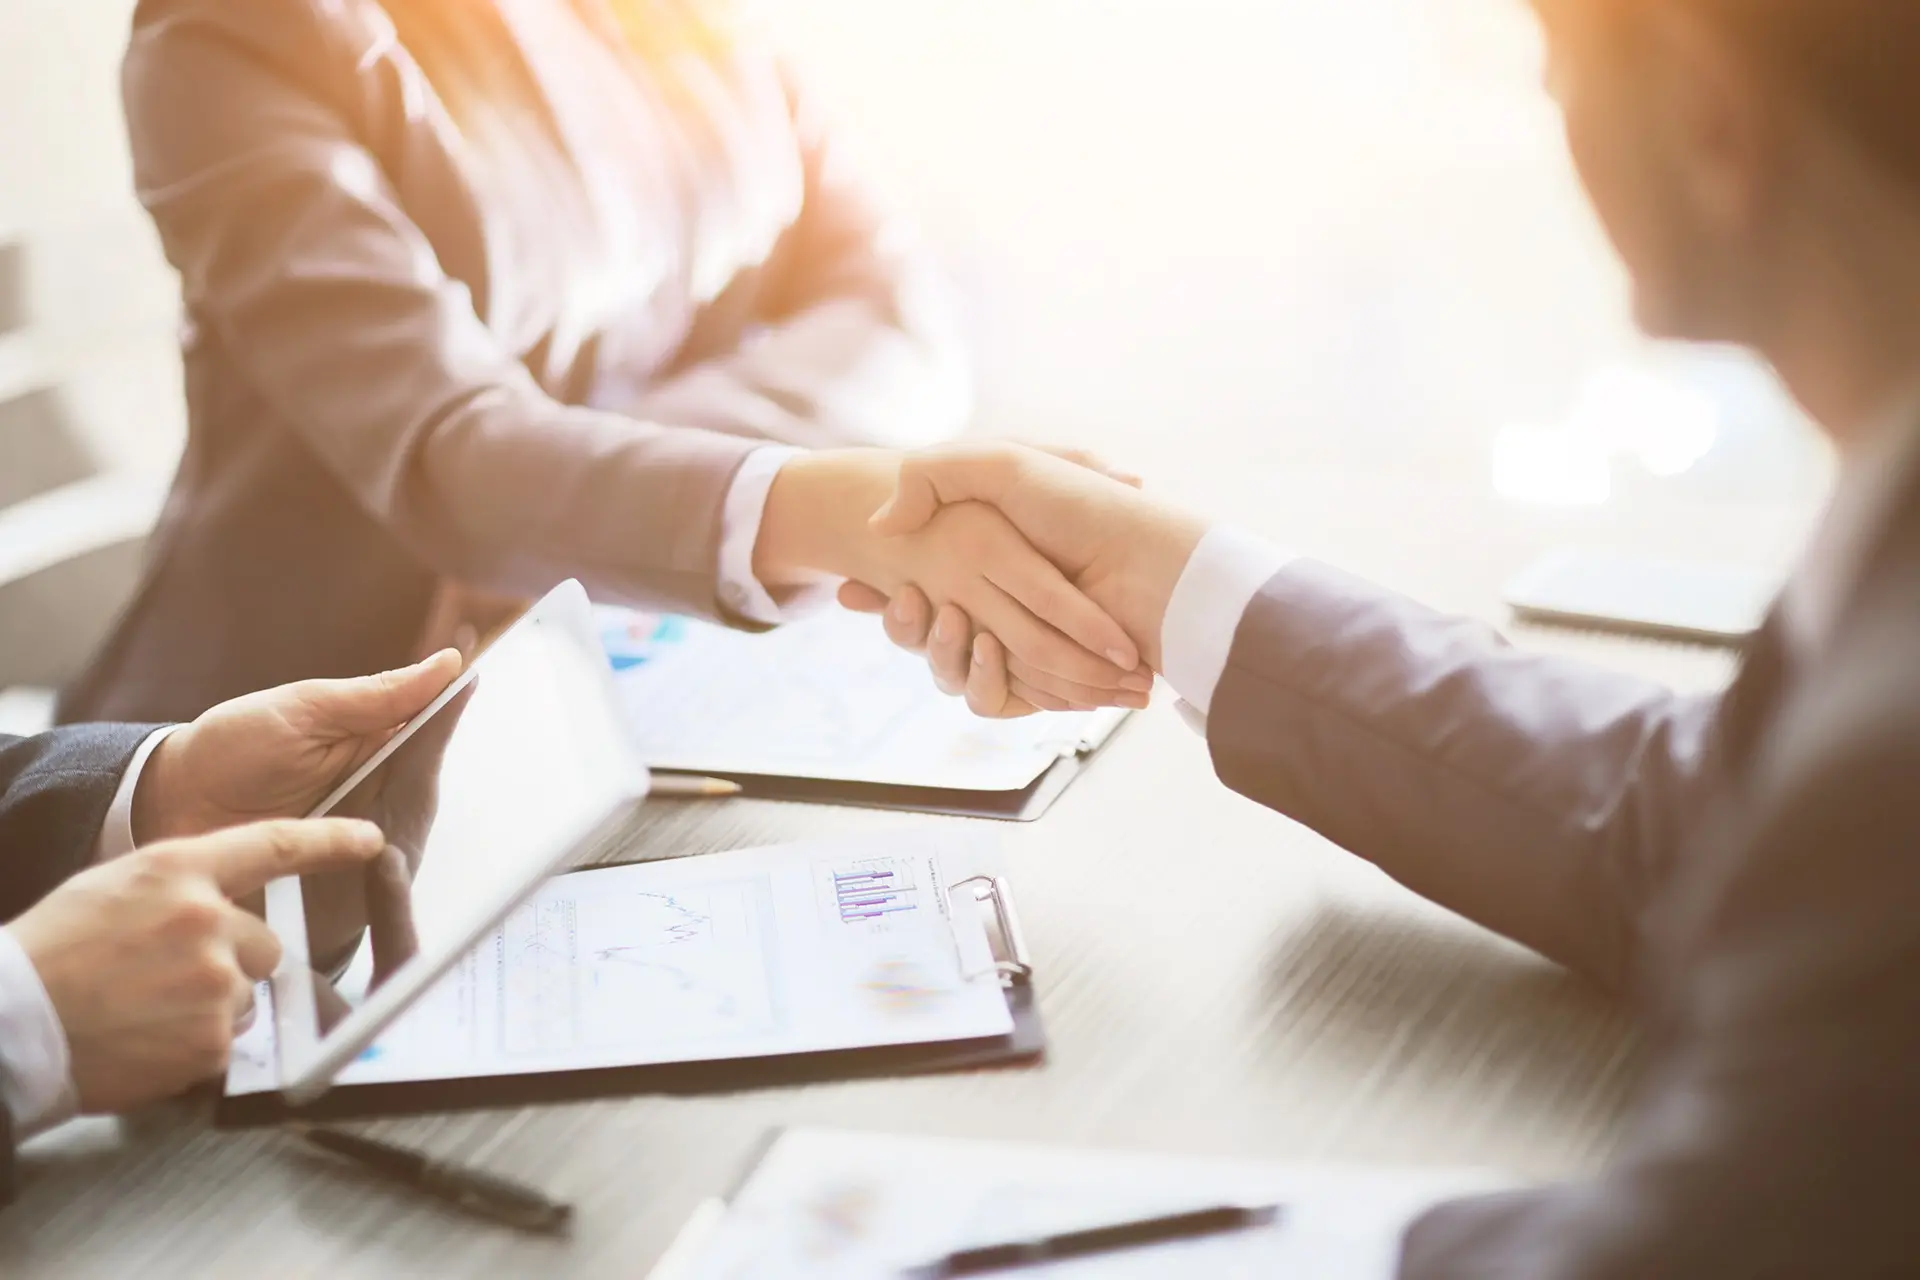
<point x="481" y="295"/>
<point x="1744" y="866"/>
<point x="124" y="961"/>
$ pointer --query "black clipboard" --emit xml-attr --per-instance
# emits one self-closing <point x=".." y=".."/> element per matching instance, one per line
<point x="1028" y="804"/>
<point x="1025" y="1044"/>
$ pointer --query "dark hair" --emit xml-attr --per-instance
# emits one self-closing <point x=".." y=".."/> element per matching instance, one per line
<point x="1858" y="60"/>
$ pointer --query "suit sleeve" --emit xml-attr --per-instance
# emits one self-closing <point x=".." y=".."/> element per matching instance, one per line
<point x="851" y="337"/>
<point x="1542" y="798"/>
<point x="54" y="793"/>
<point x="293" y="248"/>
<point x="1776" y="1135"/>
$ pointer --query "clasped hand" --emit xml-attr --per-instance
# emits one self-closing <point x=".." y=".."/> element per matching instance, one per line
<point x="1118" y="552"/>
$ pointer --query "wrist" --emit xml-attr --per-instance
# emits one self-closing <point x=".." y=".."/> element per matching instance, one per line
<point x="816" y="517"/>
<point x="158" y="796"/>
<point x="1136" y="586"/>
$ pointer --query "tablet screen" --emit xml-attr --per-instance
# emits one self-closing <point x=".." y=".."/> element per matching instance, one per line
<point x="498" y="787"/>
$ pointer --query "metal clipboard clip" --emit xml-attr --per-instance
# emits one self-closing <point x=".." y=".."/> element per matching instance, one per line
<point x="1017" y="969"/>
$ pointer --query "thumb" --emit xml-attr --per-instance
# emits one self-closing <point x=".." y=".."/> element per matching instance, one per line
<point x="928" y="481"/>
<point x="373" y="704"/>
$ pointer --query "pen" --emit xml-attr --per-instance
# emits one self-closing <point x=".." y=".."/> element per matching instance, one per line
<point x="1080" y="1244"/>
<point x="682" y="786"/>
<point x="478" y="1193"/>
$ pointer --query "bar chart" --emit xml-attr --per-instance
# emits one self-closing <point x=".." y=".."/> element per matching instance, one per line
<point x="873" y="890"/>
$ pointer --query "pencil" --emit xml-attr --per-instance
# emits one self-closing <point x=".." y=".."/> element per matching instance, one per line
<point x="684" y="786"/>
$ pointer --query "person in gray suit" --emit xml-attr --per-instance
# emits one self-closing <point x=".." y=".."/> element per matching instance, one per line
<point x="1744" y="866"/>
<point x="486" y="295"/>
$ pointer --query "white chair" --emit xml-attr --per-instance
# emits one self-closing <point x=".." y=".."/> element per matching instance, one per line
<point x="71" y="531"/>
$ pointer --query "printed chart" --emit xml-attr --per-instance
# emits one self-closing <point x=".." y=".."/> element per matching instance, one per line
<point x="634" y="969"/>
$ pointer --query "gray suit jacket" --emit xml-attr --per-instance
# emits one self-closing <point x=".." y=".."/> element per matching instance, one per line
<point x="1746" y="867"/>
<point x="414" y="357"/>
<point x="54" y="793"/>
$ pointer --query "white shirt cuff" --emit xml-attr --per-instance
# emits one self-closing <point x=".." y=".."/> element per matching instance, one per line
<point x="1226" y="572"/>
<point x="116" y="833"/>
<point x="36" y="1078"/>
<point x="740" y="519"/>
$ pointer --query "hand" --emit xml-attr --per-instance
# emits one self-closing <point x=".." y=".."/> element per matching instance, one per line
<point x="965" y="554"/>
<point x="276" y="754"/>
<point x="150" y="965"/>
<point x="402" y="798"/>
<point x="1123" y="550"/>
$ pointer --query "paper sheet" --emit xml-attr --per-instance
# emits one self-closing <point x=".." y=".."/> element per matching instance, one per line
<point x="828" y="698"/>
<point x="840" y="944"/>
<point x="856" y="1206"/>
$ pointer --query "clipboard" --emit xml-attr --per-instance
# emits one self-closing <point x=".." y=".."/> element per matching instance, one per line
<point x="1025" y="1044"/>
<point x="705" y="701"/>
<point x="1028" y="804"/>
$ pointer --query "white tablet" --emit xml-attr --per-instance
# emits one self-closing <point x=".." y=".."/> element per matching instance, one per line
<point x="515" y="772"/>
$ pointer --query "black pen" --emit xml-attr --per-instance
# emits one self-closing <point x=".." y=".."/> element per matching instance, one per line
<point x="1079" y="1244"/>
<point x="478" y="1193"/>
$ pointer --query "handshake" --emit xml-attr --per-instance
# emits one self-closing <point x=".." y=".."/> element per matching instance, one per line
<point x="1032" y="581"/>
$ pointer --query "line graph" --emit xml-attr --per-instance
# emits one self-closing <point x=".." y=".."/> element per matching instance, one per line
<point x="635" y="968"/>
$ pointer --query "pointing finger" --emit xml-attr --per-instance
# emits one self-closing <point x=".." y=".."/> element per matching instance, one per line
<point x="240" y="860"/>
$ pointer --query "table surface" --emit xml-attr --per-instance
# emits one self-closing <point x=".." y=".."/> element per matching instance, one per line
<point x="1313" y="1012"/>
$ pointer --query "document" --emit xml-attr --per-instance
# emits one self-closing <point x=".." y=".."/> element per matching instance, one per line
<point x="829" y="698"/>
<point x="843" y="944"/>
<point x="862" y="1206"/>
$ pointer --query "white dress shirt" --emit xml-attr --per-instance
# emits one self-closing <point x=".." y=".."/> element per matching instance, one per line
<point x="1221" y="579"/>
<point x="36" y="1082"/>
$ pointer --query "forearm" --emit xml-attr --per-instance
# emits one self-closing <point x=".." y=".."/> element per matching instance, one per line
<point x="1542" y="798"/>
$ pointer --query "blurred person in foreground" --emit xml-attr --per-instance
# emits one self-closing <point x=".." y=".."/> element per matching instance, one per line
<point x="1745" y="866"/>
<point x="480" y="295"/>
<point x="128" y="857"/>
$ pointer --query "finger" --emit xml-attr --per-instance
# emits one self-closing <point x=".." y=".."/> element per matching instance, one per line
<point x="987" y="692"/>
<point x="330" y="1008"/>
<point x="240" y="860"/>
<point x="861" y="598"/>
<point x="950" y="650"/>
<point x="959" y="473"/>
<point x="390" y="923"/>
<point x="1034" y="581"/>
<point x="256" y="949"/>
<point x="374" y="703"/>
<point x="1077" y="696"/>
<point x="1020" y="692"/>
<point x="909" y="619"/>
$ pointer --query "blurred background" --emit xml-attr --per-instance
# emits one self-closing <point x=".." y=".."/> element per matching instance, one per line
<point x="1270" y="252"/>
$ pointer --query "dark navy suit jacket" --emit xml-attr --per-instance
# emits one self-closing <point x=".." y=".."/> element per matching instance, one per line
<point x="54" y="794"/>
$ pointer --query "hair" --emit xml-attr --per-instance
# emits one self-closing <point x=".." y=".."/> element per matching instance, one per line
<point x="1854" y="60"/>
<point x="467" y="53"/>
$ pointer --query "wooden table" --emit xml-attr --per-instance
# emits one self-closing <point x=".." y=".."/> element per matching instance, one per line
<point x="1214" y="979"/>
